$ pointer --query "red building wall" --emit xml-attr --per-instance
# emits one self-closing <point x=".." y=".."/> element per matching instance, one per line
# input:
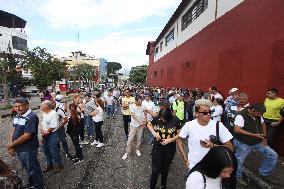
<point x="243" y="49"/>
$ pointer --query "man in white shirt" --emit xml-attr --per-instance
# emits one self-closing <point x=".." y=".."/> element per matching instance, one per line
<point x="198" y="133"/>
<point x="109" y="100"/>
<point x="250" y="134"/>
<point x="136" y="127"/>
<point x="148" y="105"/>
<point x="49" y="136"/>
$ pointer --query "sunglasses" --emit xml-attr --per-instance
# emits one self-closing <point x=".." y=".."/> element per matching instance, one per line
<point x="206" y="113"/>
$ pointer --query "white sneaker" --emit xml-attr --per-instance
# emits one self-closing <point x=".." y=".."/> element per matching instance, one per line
<point x="138" y="153"/>
<point x="100" y="145"/>
<point x="94" y="143"/>
<point x="83" y="142"/>
<point x="124" y="156"/>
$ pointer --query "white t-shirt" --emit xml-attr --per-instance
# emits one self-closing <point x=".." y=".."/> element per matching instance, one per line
<point x="50" y="120"/>
<point x="109" y="100"/>
<point x="218" y="95"/>
<point x="172" y="99"/>
<point x="239" y="120"/>
<point x="195" y="132"/>
<point x="99" y="116"/>
<point x="218" y="111"/>
<point x="61" y="116"/>
<point x="138" y="113"/>
<point x="149" y="105"/>
<point x="195" y="181"/>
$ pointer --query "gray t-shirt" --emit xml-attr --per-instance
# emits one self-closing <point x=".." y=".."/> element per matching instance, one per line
<point x="90" y="106"/>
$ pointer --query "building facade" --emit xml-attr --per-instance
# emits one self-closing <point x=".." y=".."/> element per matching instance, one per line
<point x="236" y="43"/>
<point x="13" y="38"/>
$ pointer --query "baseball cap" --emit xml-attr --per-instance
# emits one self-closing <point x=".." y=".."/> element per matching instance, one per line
<point x="58" y="97"/>
<point x="234" y="90"/>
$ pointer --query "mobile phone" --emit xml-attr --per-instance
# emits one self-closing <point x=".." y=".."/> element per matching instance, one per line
<point x="202" y="142"/>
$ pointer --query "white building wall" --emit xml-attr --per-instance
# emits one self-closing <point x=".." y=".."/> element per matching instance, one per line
<point x="207" y="17"/>
<point x="225" y="6"/>
<point x="6" y="39"/>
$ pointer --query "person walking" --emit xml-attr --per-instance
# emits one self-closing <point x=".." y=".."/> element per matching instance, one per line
<point x="50" y="136"/>
<point x="126" y="101"/>
<point x="24" y="142"/>
<point x="136" y="127"/>
<point x="89" y="106"/>
<point x="250" y="135"/>
<point x="163" y="127"/>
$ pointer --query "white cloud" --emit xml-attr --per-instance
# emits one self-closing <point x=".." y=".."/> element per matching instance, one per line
<point x="127" y="49"/>
<point x="90" y="13"/>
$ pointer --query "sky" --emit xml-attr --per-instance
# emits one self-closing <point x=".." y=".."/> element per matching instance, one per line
<point x="117" y="30"/>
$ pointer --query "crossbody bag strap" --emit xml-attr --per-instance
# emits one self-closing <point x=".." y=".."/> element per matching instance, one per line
<point x="217" y="130"/>
<point x="204" y="180"/>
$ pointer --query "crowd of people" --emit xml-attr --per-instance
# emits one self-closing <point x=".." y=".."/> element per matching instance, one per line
<point x="214" y="136"/>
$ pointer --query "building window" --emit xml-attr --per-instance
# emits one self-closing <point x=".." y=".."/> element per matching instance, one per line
<point x="155" y="73"/>
<point x="193" y="12"/>
<point x="156" y="50"/>
<point x="170" y="37"/>
<point x="161" y="46"/>
<point x="19" y="43"/>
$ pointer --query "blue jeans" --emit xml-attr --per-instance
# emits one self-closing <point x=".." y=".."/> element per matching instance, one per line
<point x="269" y="161"/>
<point x="62" y="139"/>
<point x="109" y="110"/>
<point x="51" y="150"/>
<point x="90" y="125"/>
<point x="30" y="162"/>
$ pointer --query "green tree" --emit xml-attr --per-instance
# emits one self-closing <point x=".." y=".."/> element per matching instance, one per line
<point x="112" y="68"/>
<point x="84" y="72"/>
<point x="138" y="74"/>
<point x="44" y="67"/>
<point x="8" y="64"/>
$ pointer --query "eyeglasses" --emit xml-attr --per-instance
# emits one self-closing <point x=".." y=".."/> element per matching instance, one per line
<point x="206" y="113"/>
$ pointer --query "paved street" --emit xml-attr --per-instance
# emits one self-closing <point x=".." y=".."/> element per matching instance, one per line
<point x="104" y="168"/>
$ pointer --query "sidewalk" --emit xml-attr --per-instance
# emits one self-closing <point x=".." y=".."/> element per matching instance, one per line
<point x="34" y="104"/>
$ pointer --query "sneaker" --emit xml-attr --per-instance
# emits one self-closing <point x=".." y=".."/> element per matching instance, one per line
<point x="94" y="143"/>
<point x="112" y="117"/>
<point x="242" y="181"/>
<point x="69" y="156"/>
<point x="83" y="142"/>
<point x="124" y="156"/>
<point x="78" y="160"/>
<point x="138" y="153"/>
<point x="100" y="145"/>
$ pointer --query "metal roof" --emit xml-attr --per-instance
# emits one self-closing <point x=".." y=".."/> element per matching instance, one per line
<point x="11" y="21"/>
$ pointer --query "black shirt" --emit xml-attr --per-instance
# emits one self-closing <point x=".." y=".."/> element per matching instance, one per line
<point x="166" y="129"/>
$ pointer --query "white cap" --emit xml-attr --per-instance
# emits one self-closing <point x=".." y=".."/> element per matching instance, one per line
<point x="59" y="97"/>
<point x="234" y="90"/>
